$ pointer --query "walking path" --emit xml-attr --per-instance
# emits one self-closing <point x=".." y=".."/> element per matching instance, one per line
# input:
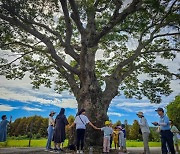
<point x="131" y="150"/>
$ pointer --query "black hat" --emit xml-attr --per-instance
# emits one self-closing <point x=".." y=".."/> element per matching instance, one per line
<point x="160" y="109"/>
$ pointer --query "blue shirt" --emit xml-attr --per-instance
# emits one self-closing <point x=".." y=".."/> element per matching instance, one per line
<point x="164" y="123"/>
<point x="107" y="131"/>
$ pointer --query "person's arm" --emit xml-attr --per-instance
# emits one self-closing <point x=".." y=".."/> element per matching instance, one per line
<point x="66" y="121"/>
<point x="142" y="122"/>
<point x="165" y="123"/>
<point x="10" y="119"/>
<point x="93" y="126"/>
<point x="175" y="130"/>
<point x="72" y="125"/>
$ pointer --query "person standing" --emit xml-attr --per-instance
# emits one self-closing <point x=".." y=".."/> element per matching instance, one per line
<point x="59" y="130"/>
<point x="81" y="121"/>
<point x="116" y="137"/>
<point x="166" y="134"/>
<point x="124" y="141"/>
<point x="50" y="130"/>
<point x="108" y="131"/>
<point x="145" y="131"/>
<point x="175" y="131"/>
<point x="3" y="128"/>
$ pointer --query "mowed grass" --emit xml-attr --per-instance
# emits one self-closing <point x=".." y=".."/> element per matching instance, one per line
<point x="25" y="143"/>
<point x="42" y="143"/>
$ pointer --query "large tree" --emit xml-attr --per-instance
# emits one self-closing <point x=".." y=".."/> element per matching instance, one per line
<point x="61" y="39"/>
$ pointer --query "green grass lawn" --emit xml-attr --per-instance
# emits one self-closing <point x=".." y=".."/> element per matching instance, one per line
<point x="42" y="143"/>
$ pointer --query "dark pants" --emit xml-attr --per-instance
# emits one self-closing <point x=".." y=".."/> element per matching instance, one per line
<point x="111" y="138"/>
<point x="80" y="138"/>
<point x="167" y="139"/>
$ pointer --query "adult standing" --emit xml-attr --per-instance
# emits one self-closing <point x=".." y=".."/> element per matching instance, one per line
<point x="59" y="130"/>
<point x="166" y="134"/>
<point x="3" y="128"/>
<point x="50" y="130"/>
<point x="175" y="131"/>
<point x="81" y="121"/>
<point x="145" y="131"/>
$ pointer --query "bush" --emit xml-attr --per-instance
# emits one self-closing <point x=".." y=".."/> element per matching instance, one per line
<point x="37" y="136"/>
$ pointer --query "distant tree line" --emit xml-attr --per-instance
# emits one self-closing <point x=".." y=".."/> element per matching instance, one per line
<point x="29" y="126"/>
<point x="36" y="127"/>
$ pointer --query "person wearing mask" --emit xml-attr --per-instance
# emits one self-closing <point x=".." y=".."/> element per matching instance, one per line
<point x="81" y="121"/>
<point x="50" y="130"/>
<point x="145" y="131"/>
<point x="3" y="128"/>
<point x="175" y="131"/>
<point x="166" y="134"/>
<point x="59" y="130"/>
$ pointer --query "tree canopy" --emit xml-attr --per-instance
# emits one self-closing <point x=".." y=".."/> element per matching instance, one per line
<point x="61" y="38"/>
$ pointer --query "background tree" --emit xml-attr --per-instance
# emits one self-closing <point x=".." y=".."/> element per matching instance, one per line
<point x="134" y="131"/>
<point x="61" y="38"/>
<point x="173" y="111"/>
<point x="71" y="132"/>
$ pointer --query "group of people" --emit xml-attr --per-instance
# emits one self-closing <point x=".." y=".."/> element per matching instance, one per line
<point x="56" y="132"/>
<point x="168" y="132"/>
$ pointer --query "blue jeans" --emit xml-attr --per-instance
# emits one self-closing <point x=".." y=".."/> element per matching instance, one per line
<point x="167" y="139"/>
<point x="50" y="136"/>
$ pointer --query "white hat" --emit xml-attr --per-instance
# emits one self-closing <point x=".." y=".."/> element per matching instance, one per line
<point x="52" y="112"/>
<point x="140" y="113"/>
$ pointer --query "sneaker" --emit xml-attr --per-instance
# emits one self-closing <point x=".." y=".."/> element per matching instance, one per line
<point x="81" y="151"/>
<point x="77" y="151"/>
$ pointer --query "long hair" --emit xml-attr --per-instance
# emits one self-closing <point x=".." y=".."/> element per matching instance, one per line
<point x="80" y="112"/>
<point x="62" y="111"/>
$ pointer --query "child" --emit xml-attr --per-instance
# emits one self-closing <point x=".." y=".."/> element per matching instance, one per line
<point x="121" y="139"/>
<point x="115" y="137"/>
<point x="124" y="141"/>
<point x="107" y="134"/>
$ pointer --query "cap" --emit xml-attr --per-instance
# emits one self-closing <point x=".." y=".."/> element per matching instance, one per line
<point x="160" y="109"/>
<point x="107" y="122"/>
<point x="140" y="113"/>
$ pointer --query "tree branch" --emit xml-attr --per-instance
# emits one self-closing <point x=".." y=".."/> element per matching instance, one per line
<point x="119" y="18"/>
<point x="67" y="21"/>
<point x="167" y="34"/>
<point x="75" y="16"/>
<point x="43" y="38"/>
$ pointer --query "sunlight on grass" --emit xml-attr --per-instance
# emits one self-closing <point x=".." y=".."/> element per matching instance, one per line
<point x="42" y="143"/>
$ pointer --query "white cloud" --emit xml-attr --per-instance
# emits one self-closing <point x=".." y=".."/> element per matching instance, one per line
<point x="115" y="114"/>
<point x="4" y="107"/>
<point x="65" y="103"/>
<point x="140" y="104"/>
<point x="26" y="97"/>
<point x="31" y="109"/>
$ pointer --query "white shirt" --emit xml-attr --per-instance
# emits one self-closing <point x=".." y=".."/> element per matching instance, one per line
<point x="51" y="121"/>
<point x="81" y="123"/>
<point x="144" y="125"/>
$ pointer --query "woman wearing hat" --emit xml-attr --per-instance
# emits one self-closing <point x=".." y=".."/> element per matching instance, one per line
<point x="145" y="131"/>
<point x="50" y="130"/>
<point x="81" y="121"/>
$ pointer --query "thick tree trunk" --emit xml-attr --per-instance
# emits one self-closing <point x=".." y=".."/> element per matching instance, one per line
<point x="96" y="111"/>
<point x="90" y="98"/>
